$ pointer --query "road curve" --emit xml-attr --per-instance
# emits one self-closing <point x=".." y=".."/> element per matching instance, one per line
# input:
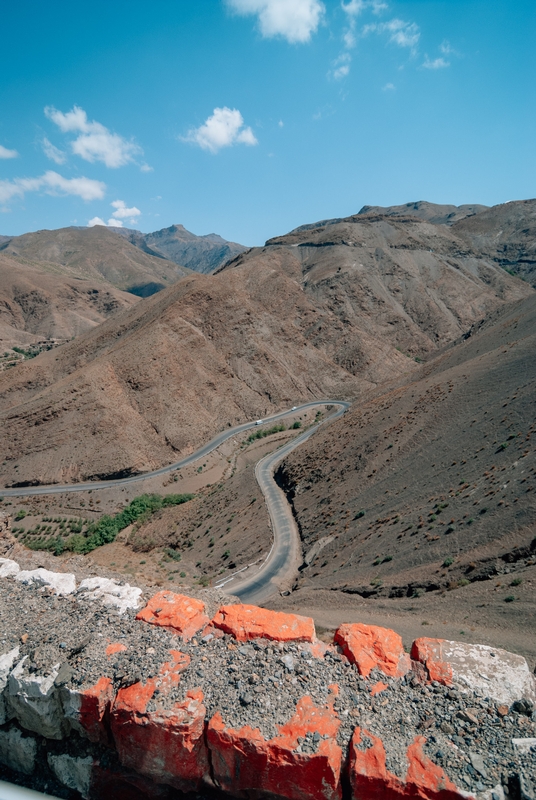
<point x="56" y="488"/>
<point x="284" y="553"/>
<point x="282" y="559"/>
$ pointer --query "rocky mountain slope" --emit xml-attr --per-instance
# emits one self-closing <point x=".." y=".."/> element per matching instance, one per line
<point x="429" y="486"/>
<point x="507" y="235"/>
<point x="41" y="304"/>
<point x="333" y="311"/>
<point x="435" y="213"/>
<point x="438" y="214"/>
<point x="198" y="253"/>
<point x="96" y="254"/>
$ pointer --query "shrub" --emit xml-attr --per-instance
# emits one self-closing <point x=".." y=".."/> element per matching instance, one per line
<point x="106" y="529"/>
<point x="448" y="561"/>
<point x="21" y="513"/>
<point x="509" y="598"/>
<point x="296" y="425"/>
<point x="517" y="582"/>
<point x="359" y="514"/>
<point x="265" y="432"/>
<point x="172" y="554"/>
<point x="386" y="558"/>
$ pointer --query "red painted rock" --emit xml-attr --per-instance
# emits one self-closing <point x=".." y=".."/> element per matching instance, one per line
<point x="86" y="709"/>
<point x="115" y="647"/>
<point x="244" y="762"/>
<point x="176" y="612"/>
<point x="368" y="646"/>
<point x="165" y="744"/>
<point x="371" y="780"/>
<point x="250" y="622"/>
<point x="430" y="653"/>
<point x="378" y="687"/>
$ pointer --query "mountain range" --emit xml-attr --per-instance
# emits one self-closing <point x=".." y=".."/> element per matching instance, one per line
<point x="341" y="308"/>
<point x="56" y="284"/>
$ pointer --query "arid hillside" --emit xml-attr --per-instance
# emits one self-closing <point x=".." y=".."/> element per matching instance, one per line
<point x="96" y="254"/>
<point x="430" y="485"/>
<point x="507" y="235"/>
<point x="198" y="253"/>
<point x="429" y="212"/>
<point x="38" y="303"/>
<point x="336" y="311"/>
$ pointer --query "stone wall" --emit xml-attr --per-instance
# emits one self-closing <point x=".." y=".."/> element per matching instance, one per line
<point x="104" y="692"/>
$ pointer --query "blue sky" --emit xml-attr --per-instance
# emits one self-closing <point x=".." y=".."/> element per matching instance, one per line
<point x="250" y="117"/>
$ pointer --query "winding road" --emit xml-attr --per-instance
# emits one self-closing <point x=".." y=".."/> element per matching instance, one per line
<point x="281" y="561"/>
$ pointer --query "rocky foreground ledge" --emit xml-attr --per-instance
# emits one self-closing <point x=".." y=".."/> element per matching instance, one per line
<point x="105" y="693"/>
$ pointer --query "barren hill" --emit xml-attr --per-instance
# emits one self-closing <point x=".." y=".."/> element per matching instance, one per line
<point x="96" y="254"/>
<point x="39" y="303"/>
<point x="330" y="312"/>
<point x="198" y="253"/>
<point x="506" y="234"/>
<point x="422" y="209"/>
<point x="429" y="212"/>
<point x="432" y="484"/>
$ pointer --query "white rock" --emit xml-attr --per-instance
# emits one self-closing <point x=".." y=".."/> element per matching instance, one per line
<point x="72" y="772"/>
<point x="8" y="568"/>
<point x="111" y="593"/>
<point x="34" y="700"/>
<point x="501" y="675"/>
<point x="17" y="752"/>
<point x="6" y="665"/>
<point x="524" y="745"/>
<point x="62" y="582"/>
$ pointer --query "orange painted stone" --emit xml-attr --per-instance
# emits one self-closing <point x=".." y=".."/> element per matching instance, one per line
<point x="164" y="744"/>
<point x="429" y="652"/>
<point x="244" y="762"/>
<point x="378" y="687"/>
<point x="250" y="622"/>
<point x="371" y="780"/>
<point x="94" y="704"/>
<point x="369" y="646"/>
<point x="176" y="612"/>
<point x="114" y="648"/>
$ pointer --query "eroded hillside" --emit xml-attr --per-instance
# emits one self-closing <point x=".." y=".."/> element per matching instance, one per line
<point x="335" y="311"/>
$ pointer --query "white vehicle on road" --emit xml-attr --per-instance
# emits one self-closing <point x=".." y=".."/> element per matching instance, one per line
<point x="259" y="422"/>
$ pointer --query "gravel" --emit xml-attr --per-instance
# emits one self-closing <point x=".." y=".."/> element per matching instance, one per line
<point x="259" y="683"/>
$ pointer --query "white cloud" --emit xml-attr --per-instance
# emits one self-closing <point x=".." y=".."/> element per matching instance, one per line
<point x="54" y="184"/>
<point x="341" y="66"/>
<point x="437" y="63"/>
<point x="5" y="153"/>
<point x="122" y="212"/>
<point x="146" y="168"/>
<point x="112" y="223"/>
<point x="224" y="128"/>
<point x="353" y="9"/>
<point x="294" y="20"/>
<point x="53" y="152"/>
<point x="404" y="34"/>
<point x="446" y="48"/>
<point x="94" y="142"/>
<point x="389" y="87"/>
<point x="281" y="123"/>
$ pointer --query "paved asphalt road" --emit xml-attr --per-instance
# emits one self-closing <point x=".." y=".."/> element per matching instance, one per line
<point x="285" y="547"/>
